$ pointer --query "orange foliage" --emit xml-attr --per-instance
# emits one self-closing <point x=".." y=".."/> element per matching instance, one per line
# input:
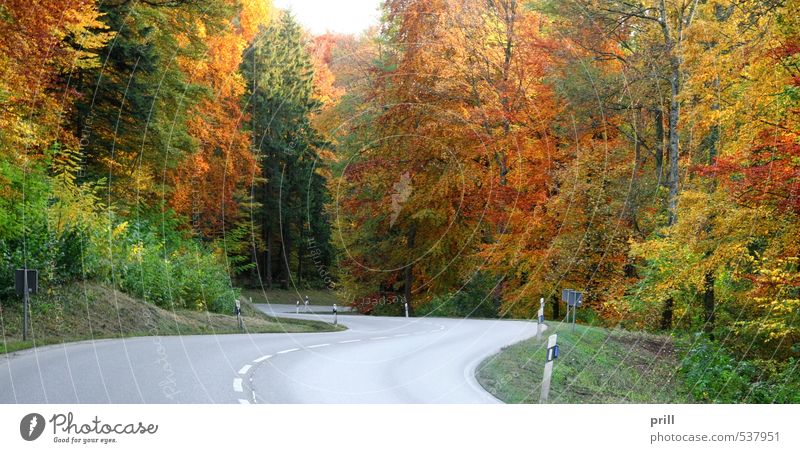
<point x="206" y="183"/>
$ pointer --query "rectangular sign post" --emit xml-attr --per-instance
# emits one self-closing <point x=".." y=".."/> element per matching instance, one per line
<point x="26" y="282"/>
<point x="565" y="295"/>
<point x="552" y="354"/>
<point x="574" y="299"/>
<point x="540" y="319"/>
<point x="573" y="295"/>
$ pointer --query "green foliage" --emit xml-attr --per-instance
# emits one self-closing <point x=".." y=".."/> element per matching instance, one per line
<point x="61" y="228"/>
<point x="714" y="375"/>
<point x="474" y="300"/>
<point x="187" y="278"/>
<point x="291" y="205"/>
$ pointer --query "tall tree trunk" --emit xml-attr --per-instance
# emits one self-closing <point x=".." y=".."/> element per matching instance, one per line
<point x="556" y="307"/>
<point x="268" y="259"/>
<point x="299" y="276"/>
<point x="709" y="305"/>
<point x="709" y="302"/>
<point x="287" y="256"/>
<point x="497" y="295"/>
<point x="666" y="313"/>
<point x="659" y="148"/>
<point x="672" y="177"/>
<point x="672" y="131"/>
<point x="674" y="115"/>
<point x="408" y="277"/>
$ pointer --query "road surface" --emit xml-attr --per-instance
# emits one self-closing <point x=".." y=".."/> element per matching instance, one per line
<point x="377" y="360"/>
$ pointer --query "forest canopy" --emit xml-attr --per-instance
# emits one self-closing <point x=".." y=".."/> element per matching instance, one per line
<point x="466" y="157"/>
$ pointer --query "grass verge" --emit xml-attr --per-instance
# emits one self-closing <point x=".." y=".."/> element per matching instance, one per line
<point x="88" y="311"/>
<point x="596" y="365"/>
<point x="290" y="296"/>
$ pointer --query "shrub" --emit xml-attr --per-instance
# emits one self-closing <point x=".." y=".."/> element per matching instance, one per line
<point x="63" y="229"/>
<point x="473" y="301"/>
<point x="713" y="375"/>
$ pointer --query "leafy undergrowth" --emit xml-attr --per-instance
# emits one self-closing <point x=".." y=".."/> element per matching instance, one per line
<point x="92" y="311"/>
<point x="596" y="365"/>
<point x="715" y="375"/>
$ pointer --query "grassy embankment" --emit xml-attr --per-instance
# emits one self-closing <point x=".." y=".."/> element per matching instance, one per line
<point x="596" y="365"/>
<point x="91" y="311"/>
<point x="290" y="296"/>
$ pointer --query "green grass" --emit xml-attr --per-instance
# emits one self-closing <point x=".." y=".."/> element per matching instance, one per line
<point x="290" y="296"/>
<point x="91" y="311"/>
<point x="596" y="365"/>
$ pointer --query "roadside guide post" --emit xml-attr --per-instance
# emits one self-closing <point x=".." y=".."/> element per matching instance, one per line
<point x="335" y="315"/>
<point x="540" y="319"/>
<point x="297" y="308"/>
<point x="238" y="311"/>
<point x="306" y="303"/>
<point x="406" y="305"/>
<point x="26" y="282"/>
<point x="552" y="354"/>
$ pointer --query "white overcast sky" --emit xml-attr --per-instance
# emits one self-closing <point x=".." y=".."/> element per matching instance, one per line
<point x="339" y="16"/>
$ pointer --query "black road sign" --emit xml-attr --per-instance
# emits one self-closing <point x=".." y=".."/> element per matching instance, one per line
<point x="33" y="281"/>
<point x="572" y="298"/>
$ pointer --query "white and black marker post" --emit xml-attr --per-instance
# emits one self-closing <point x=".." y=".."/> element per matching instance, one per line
<point x="552" y="354"/>
<point x="306" y="303"/>
<point x="335" y="315"/>
<point x="406" y="305"/>
<point x="540" y="319"/>
<point x="297" y="308"/>
<point x="238" y="311"/>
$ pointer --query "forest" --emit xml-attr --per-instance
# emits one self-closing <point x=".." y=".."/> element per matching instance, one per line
<point x="467" y="157"/>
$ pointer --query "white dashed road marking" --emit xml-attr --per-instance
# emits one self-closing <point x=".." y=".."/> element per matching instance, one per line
<point x="244" y="369"/>
<point x="319" y="345"/>
<point x="287" y="351"/>
<point x="261" y="359"/>
<point x="244" y="402"/>
<point x="348" y="341"/>
<point x="237" y="385"/>
<point x="379" y="338"/>
<point x="402" y="334"/>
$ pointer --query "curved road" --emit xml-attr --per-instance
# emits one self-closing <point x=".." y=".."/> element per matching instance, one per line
<point x="378" y="360"/>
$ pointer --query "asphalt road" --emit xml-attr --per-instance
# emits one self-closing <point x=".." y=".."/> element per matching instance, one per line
<point x="377" y="360"/>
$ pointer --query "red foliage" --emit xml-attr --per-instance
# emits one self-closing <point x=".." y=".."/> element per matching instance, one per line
<point x="768" y="174"/>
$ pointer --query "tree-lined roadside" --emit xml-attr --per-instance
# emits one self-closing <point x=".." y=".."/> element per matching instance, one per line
<point x="463" y="158"/>
<point x="91" y="312"/>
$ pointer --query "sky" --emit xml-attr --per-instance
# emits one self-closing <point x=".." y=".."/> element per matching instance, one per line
<point x="339" y="16"/>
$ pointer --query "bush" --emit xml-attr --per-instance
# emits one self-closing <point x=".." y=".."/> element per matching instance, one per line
<point x="713" y="375"/>
<point x="69" y="235"/>
<point x="180" y="275"/>
<point x="473" y="301"/>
